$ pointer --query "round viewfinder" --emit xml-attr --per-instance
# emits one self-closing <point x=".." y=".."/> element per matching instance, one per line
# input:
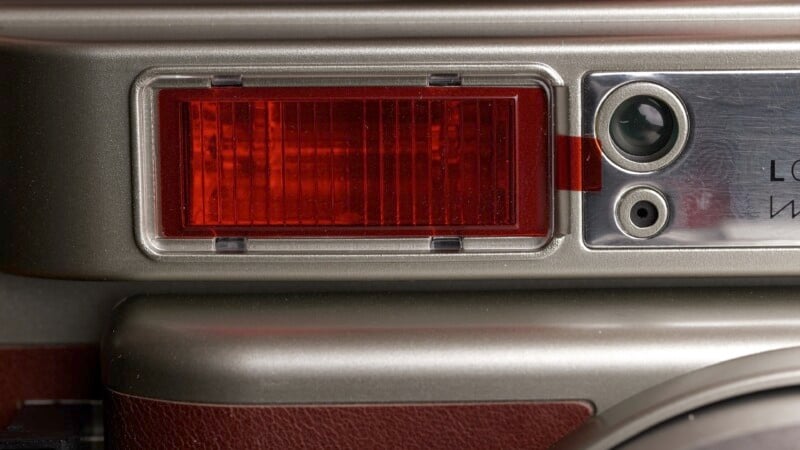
<point x="643" y="127"/>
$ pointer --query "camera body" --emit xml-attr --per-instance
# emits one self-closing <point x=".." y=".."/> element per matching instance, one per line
<point x="714" y="191"/>
<point x="357" y="212"/>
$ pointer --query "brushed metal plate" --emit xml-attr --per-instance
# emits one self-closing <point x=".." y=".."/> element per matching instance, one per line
<point x="733" y="184"/>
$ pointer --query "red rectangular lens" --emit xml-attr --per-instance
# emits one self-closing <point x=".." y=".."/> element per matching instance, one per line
<point x="354" y="161"/>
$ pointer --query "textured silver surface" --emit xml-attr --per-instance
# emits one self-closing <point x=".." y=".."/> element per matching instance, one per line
<point x="723" y="189"/>
<point x="598" y="345"/>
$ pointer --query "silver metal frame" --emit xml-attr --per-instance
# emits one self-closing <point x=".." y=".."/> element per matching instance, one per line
<point x="629" y="90"/>
<point x="146" y="176"/>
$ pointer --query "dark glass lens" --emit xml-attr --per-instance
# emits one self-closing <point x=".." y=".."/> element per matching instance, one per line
<point x="644" y="214"/>
<point x="643" y="127"/>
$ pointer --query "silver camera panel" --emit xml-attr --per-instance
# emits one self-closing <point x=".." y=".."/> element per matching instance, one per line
<point x="736" y="182"/>
<point x="67" y="127"/>
<point x="69" y="170"/>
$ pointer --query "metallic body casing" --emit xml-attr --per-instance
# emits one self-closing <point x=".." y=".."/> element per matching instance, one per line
<point x="66" y="175"/>
<point x="601" y="346"/>
<point x="67" y="137"/>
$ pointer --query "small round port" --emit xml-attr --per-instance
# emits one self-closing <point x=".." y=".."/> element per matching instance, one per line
<point x="642" y="212"/>
<point x="642" y="127"/>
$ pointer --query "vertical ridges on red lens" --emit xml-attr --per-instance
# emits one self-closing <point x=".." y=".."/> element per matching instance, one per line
<point x="244" y="154"/>
<point x="441" y="160"/>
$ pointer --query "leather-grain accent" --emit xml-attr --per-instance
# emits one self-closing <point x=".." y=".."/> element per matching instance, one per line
<point x="46" y="372"/>
<point x="140" y="423"/>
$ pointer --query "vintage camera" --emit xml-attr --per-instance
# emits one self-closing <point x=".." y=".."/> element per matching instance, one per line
<point x="405" y="211"/>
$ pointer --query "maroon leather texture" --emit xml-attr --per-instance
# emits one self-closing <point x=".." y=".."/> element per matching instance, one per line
<point x="141" y="423"/>
<point x="32" y="373"/>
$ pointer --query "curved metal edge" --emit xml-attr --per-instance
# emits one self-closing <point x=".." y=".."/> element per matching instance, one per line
<point x="487" y="346"/>
<point x="742" y="376"/>
<point x="766" y="420"/>
<point x="392" y="19"/>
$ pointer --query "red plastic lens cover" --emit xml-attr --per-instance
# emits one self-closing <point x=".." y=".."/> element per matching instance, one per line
<point x="354" y="161"/>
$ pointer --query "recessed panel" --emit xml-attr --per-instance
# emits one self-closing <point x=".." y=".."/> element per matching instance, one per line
<point x="732" y="182"/>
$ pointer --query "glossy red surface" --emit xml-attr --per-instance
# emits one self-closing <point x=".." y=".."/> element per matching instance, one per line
<point x="354" y="161"/>
<point x="578" y="163"/>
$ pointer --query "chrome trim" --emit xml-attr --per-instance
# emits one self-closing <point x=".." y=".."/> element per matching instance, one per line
<point x="380" y="19"/>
